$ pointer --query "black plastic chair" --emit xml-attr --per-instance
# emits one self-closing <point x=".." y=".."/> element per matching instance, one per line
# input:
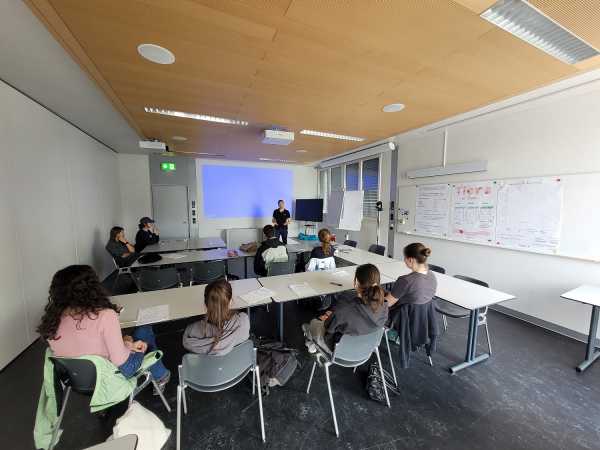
<point x="351" y="243"/>
<point x="377" y="249"/>
<point x="154" y="279"/>
<point x="283" y="268"/>
<point x="207" y="272"/>
<point x="438" y="269"/>
<point x="447" y="309"/>
<point x="79" y="375"/>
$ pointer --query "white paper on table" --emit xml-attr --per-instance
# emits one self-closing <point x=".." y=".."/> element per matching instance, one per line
<point x="257" y="295"/>
<point x="173" y="255"/>
<point x="303" y="290"/>
<point x="153" y="314"/>
<point x="341" y="273"/>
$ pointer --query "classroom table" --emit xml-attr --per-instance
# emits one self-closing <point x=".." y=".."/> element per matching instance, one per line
<point x="128" y="442"/>
<point x="324" y="282"/>
<point x="178" y="245"/>
<point x="589" y="295"/>
<point x="183" y="302"/>
<point x="462" y="293"/>
<point x="189" y="257"/>
<point x="359" y="256"/>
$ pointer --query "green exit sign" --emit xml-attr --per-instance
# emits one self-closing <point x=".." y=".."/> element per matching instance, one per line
<point x="167" y="167"/>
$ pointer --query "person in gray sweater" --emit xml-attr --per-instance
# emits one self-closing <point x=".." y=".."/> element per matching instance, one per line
<point x="222" y="328"/>
<point x="355" y="314"/>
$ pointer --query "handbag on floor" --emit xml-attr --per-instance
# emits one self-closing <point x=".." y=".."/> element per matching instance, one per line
<point x="277" y="363"/>
<point x="150" y="430"/>
<point x="375" y="386"/>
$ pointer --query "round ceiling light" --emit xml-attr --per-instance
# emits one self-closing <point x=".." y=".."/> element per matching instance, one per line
<point x="156" y="54"/>
<point x="393" y="107"/>
<point x="179" y="138"/>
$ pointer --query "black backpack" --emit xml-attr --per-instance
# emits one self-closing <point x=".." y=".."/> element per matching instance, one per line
<point x="375" y="386"/>
<point x="277" y="363"/>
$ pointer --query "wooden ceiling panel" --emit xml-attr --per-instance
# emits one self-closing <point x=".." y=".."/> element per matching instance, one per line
<point x="324" y="65"/>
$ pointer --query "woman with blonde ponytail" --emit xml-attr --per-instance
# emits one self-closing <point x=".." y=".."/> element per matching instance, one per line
<point x="222" y="328"/>
<point x="325" y="250"/>
<point x="356" y="313"/>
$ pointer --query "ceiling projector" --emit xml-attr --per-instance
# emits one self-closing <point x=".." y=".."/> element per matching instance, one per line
<point x="153" y="145"/>
<point x="278" y="137"/>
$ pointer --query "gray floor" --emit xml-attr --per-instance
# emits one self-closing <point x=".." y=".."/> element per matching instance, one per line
<point x="528" y="396"/>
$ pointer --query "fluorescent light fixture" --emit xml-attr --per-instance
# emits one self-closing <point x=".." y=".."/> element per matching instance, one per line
<point x="301" y="151"/>
<point x="156" y="53"/>
<point x="325" y="134"/>
<point x="167" y="112"/>
<point x="528" y="23"/>
<point x="208" y="155"/>
<point x="179" y="138"/>
<point x="277" y="160"/>
<point x="453" y="169"/>
<point x="393" y="107"/>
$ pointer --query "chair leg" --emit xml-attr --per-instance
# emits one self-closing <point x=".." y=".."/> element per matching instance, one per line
<point x="335" y="424"/>
<point x="487" y="333"/>
<point x="253" y="384"/>
<point x="162" y="396"/>
<point x="387" y="398"/>
<point x="387" y="343"/>
<point x="430" y="360"/>
<point x="178" y="416"/>
<point x="184" y="400"/>
<point x="56" y="430"/>
<point x="260" y="407"/>
<point x="312" y="373"/>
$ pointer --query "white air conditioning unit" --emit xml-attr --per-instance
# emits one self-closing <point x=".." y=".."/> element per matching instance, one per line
<point x="157" y="146"/>
<point x="278" y="137"/>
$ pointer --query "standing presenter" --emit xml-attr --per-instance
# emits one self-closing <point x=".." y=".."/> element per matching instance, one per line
<point x="281" y="220"/>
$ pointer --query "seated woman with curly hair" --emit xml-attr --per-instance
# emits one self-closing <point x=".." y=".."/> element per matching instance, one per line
<point x="80" y="320"/>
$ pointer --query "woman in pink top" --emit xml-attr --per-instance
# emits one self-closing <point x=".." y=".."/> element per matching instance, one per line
<point x="80" y="320"/>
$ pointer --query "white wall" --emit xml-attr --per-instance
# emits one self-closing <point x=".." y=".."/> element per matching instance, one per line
<point x="60" y="195"/>
<point x="555" y="135"/>
<point x="136" y="197"/>
<point x="304" y="186"/>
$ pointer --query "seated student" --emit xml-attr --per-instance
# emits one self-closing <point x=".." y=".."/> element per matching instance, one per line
<point x="146" y="235"/>
<point x="355" y="314"/>
<point x="419" y="286"/>
<point x="119" y="247"/>
<point x="321" y="258"/>
<point x="271" y="250"/>
<point x="80" y="320"/>
<point x="222" y="328"/>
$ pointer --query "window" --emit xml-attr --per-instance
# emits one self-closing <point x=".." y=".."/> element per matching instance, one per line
<point x="323" y="191"/>
<point x="352" y="177"/>
<point x="370" y="183"/>
<point x="336" y="179"/>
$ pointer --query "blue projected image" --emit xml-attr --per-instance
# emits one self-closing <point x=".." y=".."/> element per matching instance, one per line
<point x="231" y="191"/>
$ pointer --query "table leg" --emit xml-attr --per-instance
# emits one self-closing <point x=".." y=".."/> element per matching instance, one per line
<point x="281" y="321"/>
<point x="470" y="358"/>
<point x="246" y="268"/>
<point x="591" y="354"/>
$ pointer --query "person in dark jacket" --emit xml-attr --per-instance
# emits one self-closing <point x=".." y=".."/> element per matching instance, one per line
<point x="119" y="248"/>
<point x="261" y="259"/>
<point x="146" y="235"/>
<point x="355" y="314"/>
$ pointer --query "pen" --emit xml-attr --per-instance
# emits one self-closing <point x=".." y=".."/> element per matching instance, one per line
<point x="336" y="284"/>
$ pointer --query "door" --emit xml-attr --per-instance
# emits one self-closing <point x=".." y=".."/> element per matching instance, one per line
<point x="170" y="206"/>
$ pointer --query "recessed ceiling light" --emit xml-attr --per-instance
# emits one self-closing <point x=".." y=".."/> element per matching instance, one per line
<point x="167" y="112"/>
<point x="179" y="138"/>
<point x="277" y="160"/>
<point x="528" y="23"/>
<point x="325" y="134"/>
<point x="156" y="53"/>
<point x="301" y="151"/>
<point x="393" y="107"/>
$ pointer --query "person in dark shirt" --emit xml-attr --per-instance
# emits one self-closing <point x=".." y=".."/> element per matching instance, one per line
<point x="120" y="249"/>
<point x="325" y="250"/>
<point x="355" y="314"/>
<point x="271" y="241"/>
<point x="419" y="286"/>
<point x="146" y="235"/>
<point x="281" y="220"/>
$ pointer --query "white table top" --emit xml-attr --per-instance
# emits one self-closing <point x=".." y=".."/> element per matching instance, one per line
<point x="178" y="245"/>
<point x="128" y="442"/>
<point x="187" y="257"/>
<point x="183" y="302"/>
<point x="320" y="281"/>
<point x="359" y="256"/>
<point x="586" y="293"/>
<point x="460" y="292"/>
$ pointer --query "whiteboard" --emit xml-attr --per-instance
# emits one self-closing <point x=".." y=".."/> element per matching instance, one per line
<point x="577" y="231"/>
<point x="473" y="211"/>
<point x="334" y="208"/>
<point x="431" y="212"/>
<point x="345" y="210"/>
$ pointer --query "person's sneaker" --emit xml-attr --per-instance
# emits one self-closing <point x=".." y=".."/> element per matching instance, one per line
<point x="162" y="383"/>
<point x="312" y="348"/>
